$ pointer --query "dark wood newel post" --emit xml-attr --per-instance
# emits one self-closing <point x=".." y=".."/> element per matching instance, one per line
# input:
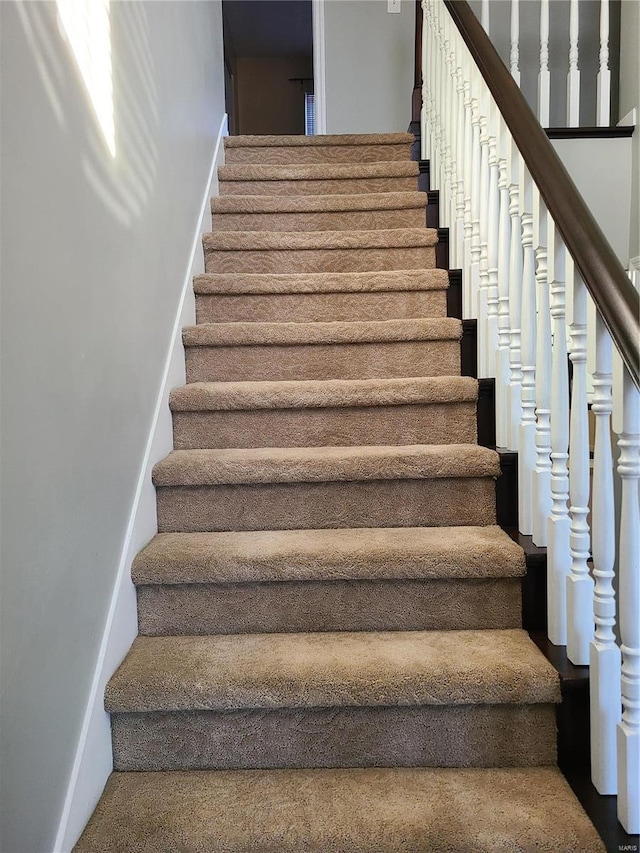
<point x="416" y="99"/>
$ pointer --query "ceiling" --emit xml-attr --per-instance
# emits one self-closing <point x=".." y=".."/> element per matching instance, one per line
<point x="254" y="28"/>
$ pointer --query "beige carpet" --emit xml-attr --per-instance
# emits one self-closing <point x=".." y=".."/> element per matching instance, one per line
<point x="330" y="657"/>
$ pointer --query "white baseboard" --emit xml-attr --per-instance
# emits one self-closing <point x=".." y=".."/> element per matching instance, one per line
<point x="93" y="760"/>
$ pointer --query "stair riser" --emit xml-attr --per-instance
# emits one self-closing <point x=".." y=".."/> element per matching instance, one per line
<point x="320" y="307"/>
<point x="357" y="220"/>
<point x="287" y="506"/>
<point x="289" y="155"/>
<point x="320" y="260"/>
<point x="323" y="361"/>
<point x="452" y="423"/>
<point x="323" y="187"/>
<point x="401" y="605"/>
<point x="423" y="736"/>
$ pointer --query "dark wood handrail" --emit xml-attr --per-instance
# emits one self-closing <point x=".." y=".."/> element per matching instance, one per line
<point x="606" y="280"/>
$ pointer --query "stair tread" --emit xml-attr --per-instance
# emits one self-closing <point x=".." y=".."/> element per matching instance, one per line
<point x="413" y="810"/>
<point x="336" y="332"/>
<point x="324" y="464"/>
<point x="321" y="393"/>
<point x="253" y="241"/>
<point x="331" y="669"/>
<point x="318" y="203"/>
<point x="319" y="140"/>
<point x="331" y="554"/>
<point x="321" y="282"/>
<point x="318" y="171"/>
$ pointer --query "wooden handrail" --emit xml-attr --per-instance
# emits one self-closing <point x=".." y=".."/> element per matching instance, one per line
<point x="606" y="280"/>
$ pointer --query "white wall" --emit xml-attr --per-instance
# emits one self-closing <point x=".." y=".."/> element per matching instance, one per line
<point x="369" y="56"/>
<point x="95" y="251"/>
<point x="630" y="98"/>
<point x="608" y="200"/>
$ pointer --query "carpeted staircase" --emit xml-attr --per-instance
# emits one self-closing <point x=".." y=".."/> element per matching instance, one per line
<point x="330" y="656"/>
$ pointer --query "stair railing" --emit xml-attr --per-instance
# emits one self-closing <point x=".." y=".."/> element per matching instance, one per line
<point x="581" y="79"/>
<point x="531" y="253"/>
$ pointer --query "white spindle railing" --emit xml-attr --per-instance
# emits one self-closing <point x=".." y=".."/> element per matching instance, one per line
<point x="588" y="93"/>
<point x="541" y="491"/>
<point x="483" y="266"/>
<point x="502" y="367"/>
<point x="514" y="34"/>
<point x="603" y="80"/>
<point x="604" y="659"/>
<point x="521" y="286"/>
<point x="493" y="241"/>
<point x="579" y="583"/>
<point x="573" y="77"/>
<point x="628" y="751"/>
<point x="514" y="411"/>
<point x="544" y="75"/>
<point x="558" y="523"/>
<point x="527" y="433"/>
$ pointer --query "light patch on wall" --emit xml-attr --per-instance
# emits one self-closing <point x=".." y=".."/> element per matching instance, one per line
<point x="86" y="24"/>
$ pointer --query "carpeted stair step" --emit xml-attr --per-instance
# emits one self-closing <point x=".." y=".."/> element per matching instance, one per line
<point x="287" y="488"/>
<point x="320" y="251"/>
<point x="338" y="148"/>
<point x="318" y="179"/>
<point x="399" y="698"/>
<point x="235" y="352"/>
<point x="368" y="211"/>
<point x="313" y="297"/>
<point x="372" y="579"/>
<point x="386" y="810"/>
<point x="425" y="410"/>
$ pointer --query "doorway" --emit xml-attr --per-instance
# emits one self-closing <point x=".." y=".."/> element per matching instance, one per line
<point x="268" y="54"/>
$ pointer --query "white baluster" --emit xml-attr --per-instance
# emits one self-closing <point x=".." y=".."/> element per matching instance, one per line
<point x="493" y="215"/>
<point x="503" y="370"/>
<point x="527" y="435"/>
<point x="573" y="78"/>
<point x="544" y="77"/>
<point x="484" y="234"/>
<point x="485" y="16"/>
<point x="559" y="524"/>
<point x="604" y="658"/>
<point x="515" y="301"/>
<point x="434" y="166"/>
<point x="445" y="180"/>
<point x="580" y="624"/>
<point x="445" y="168"/>
<point x="629" y="608"/>
<point x="541" y="496"/>
<point x="453" y="147"/>
<point x="514" y="54"/>
<point x="458" y="235"/>
<point x="431" y="79"/>
<point x="469" y="299"/>
<point x="603" y="85"/>
<point x="474" y="278"/>
<point x="424" y="109"/>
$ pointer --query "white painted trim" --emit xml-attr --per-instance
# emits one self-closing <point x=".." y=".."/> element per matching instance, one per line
<point x="629" y="120"/>
<point x="93" y="758"/>
<point x="319" y="65"/>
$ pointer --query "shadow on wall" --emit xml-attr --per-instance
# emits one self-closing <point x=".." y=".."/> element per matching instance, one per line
<point x="121" y="165"/>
